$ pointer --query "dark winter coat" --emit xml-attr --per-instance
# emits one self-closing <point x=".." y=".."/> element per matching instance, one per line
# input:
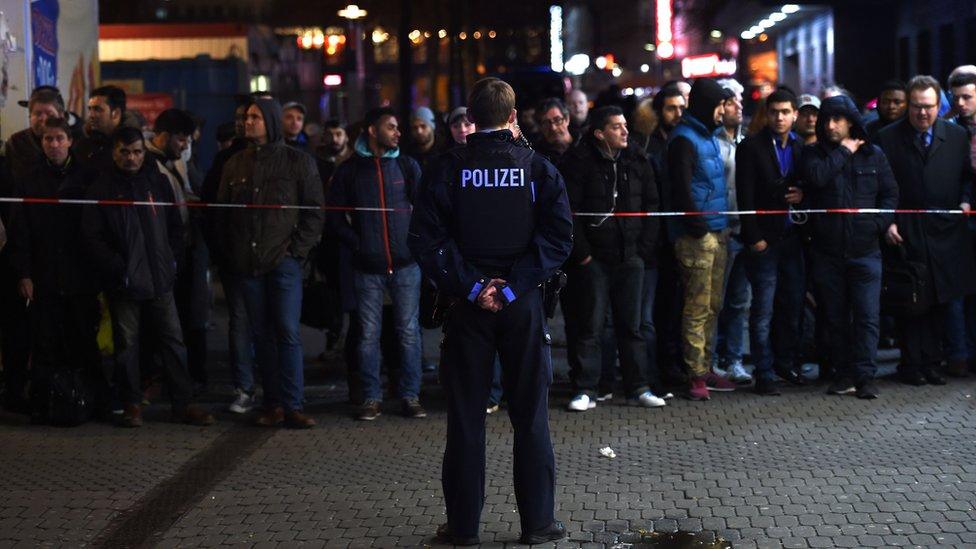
<point x="377" y="239"/>
<point x="254" y="241"/>
<point x="761" y="185"/>
<point x="596" y="182"/>
<point x="832" y="177"/>
<point x="941" y="179"/>
<point x="46" y="239"/>
<point x="133" y="248"/>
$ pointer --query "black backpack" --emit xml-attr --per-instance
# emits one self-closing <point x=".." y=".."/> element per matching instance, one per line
<point x="69" y="398"/>
<point x="904" y="284"/>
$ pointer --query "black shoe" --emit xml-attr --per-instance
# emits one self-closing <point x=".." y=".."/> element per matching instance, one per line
<point x="369" y="411"/>
<point x="766" y="387"/>
<point x="841" y="386"/>
<point x="867" y="390"/>
<point x="791" y="376"/>
<point x="444" y="534"/>
<point x="556" y="531"/>
<point x="933" y="377"/>
<point x="413" y="409"/>
<point x="912" y="377"/>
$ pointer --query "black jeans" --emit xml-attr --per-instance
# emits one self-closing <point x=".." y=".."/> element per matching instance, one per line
<point x="921" y="340"/>
<point x="849" y="290"/>
<point x="163" y="324"/>
<point x="617" y="287"/>
<point x="519" y="335"/>
<point x="64" y="331"/>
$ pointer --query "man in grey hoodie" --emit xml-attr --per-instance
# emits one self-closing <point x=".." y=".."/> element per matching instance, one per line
<point x="266" y="247"/>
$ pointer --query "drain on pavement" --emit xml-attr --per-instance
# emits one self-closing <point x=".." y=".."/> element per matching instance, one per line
<point x="672" y="540"/>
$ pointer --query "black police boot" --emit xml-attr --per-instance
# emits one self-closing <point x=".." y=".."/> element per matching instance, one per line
<point x="554" y="532"/>
<point x="444" y="534"/>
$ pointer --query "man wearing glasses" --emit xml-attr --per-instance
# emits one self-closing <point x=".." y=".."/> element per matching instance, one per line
<point x="930" y="158"/>
<point x="554" y="121"/>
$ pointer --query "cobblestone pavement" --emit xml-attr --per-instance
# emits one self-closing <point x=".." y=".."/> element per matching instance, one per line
<point x="800" y="470"/>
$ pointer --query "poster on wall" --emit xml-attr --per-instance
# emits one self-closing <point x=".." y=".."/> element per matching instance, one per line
<point x="77" y="63"/>
<point x="15" y="46"/>
<point x="44" y="35"/>
<point x="46" y="43"/>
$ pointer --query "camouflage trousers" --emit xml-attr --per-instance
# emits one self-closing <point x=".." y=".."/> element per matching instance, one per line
<point x="702" y="265"/>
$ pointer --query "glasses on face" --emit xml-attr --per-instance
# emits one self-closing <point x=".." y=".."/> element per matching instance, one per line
<point x="922" y="108"/>
<point x="553" y="122"/>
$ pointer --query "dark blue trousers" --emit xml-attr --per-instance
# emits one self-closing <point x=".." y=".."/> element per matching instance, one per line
<point x="521" y="338"/>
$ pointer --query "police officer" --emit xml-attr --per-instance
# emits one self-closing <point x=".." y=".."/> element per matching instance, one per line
<point x="492" y="223"/>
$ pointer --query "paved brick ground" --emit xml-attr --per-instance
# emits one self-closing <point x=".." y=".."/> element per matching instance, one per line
<point x="800" y="470"/>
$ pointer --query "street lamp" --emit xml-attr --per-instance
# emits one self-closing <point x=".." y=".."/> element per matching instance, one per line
<point x="353" y="14"/>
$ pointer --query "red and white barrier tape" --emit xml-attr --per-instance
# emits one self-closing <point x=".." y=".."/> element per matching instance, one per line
<point x="111" y="202"/>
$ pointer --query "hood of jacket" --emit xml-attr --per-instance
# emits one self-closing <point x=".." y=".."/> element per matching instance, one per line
<point x="362" y="149"/>
<point x="271" y="110"/>
<point x="841" y="105"/>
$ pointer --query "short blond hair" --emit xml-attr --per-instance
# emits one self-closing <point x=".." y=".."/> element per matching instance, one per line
<point x="490" y="103"/>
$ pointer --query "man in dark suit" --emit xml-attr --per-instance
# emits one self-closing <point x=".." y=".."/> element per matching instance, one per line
<point x="766" y="168"/>
<point x="930" y="158"/>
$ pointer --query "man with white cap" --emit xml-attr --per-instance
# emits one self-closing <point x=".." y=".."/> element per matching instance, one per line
<point x="806" y="120"/>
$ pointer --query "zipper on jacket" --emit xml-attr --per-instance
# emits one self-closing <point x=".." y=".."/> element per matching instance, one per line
<point x="386" y="228"/>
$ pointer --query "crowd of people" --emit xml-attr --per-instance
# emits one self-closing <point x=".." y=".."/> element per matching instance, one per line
<point x="667" y="298"/>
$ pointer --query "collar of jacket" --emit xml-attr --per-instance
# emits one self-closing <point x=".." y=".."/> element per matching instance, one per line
<point x="696" y="125"/>
<point x="494" y="136"/>
<point x="362" y="149"/>
<point x="151" y="147"/>
<point x="600" y="151"/>
<point x="266" y="150"/>
<point x="63" y="169"/>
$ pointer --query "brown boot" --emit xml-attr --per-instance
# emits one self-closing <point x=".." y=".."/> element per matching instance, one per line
<point x="297" y="420"/>
<point x="193" y="415"/>
<point x="957" y="368"/>
<point x="270" y="418"/>
<point x="132" y="416"/>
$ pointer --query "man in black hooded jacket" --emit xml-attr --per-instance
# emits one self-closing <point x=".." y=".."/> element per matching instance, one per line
<point x="844" y="170"/>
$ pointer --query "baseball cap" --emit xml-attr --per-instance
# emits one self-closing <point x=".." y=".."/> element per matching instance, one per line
<point x="293" y="105"/>
<point x="807" y="100"/>
<point x="49" y="91"/>
<point x="460" y="112"/>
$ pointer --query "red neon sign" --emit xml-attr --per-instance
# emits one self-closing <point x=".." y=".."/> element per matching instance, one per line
<point x="665" y="47"/>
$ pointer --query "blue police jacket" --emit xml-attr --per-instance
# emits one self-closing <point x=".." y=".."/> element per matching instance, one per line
<point x="490" y="209"/>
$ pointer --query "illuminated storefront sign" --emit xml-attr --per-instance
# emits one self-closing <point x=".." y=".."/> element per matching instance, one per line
<point x="709" y="64"/>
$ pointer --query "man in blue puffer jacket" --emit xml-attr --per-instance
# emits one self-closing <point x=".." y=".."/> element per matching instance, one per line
<point x="696" y="172"/>
<point x="377" y="177"/>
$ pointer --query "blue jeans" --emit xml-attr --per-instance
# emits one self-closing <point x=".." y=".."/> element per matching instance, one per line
<point x="732" y="319"/>
<point x="955" y="330"/>
<point x="404" y="289"/>
<point x="239" y="335"/>
<point x="849" y="291"/>
<point x="647" y="328"/>
<point x="274" y="306"/>
<point x="778" y="288"/>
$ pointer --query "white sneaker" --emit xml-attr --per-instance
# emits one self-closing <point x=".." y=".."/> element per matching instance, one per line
<point x="647" y="399"/>
<point x="243" y="403"/>
<point x="492" y="408"/>
<point x="581" y="403"/>
<point x="738" y="374"/>
<point x="604" y="397"/>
